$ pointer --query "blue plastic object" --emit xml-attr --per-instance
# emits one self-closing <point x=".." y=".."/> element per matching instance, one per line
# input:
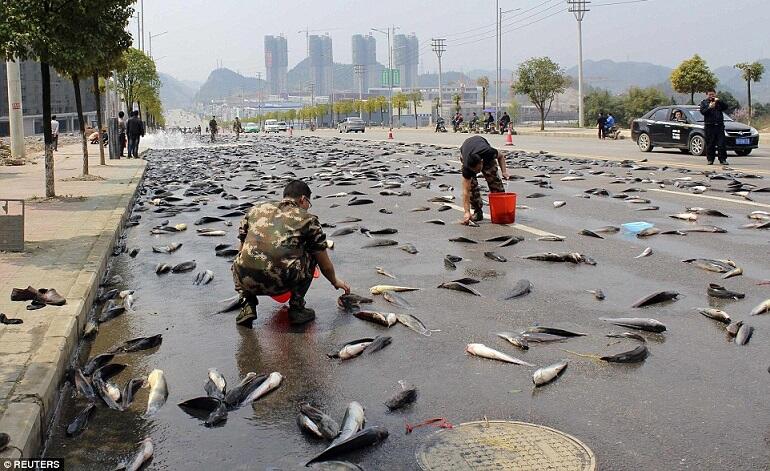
<point x="636" y="227"/>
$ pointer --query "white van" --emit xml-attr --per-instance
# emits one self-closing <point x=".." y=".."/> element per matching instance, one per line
<point x="273" y="125"/>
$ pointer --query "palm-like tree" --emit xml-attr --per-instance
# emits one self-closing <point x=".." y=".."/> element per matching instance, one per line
<point x="400" y="101"/>
<point x="483" y="82"/>
<point x="751" y="73"/>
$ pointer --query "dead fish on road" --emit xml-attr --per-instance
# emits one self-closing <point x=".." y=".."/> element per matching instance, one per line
<point x="158" y="391"/>
<point x="598" y="294"/>
<point x="215" y="385"/>
<point x="184" y="267"/>
<point x="385" y="231"/>
<point x="352" y="349"/>
<point x="607" y="230"/>
<point x="734" y="272"/>
<point x="271" y="383"/>
<point x="146" y="449"/>
<point x="656" y="298"/>
<point x="438" y="222"/>
<point x="138" y="344"/>
<point x="413" y="323"/>
<point x="572" y="257"/>
<point x="744" y="334"/>
<point x="211" y="233"/>
<point x="467" y="281"/>
<point x="645" y="253"/>
<point x="705" y="229"/>
<point x="344" y="231"/>
<point x="626" y="335"/>
<point x="207" y="219"/>
<point x="386" y="319"/>
<point x="650" y="325"/>
<point x="718" y="291"/>
<point x="359" y="201"/>
<point x="559" y="204"/>
<point x="650" y="231"/>
<point x="204" y="277"/>
<point x="511" y="241"/>
<point x="162" y="268"/>
<point x="317" y="422"/>
<point x="173" y="247"/>
<point x="632" y="356"/>
<point x="380" y="243"/>
<point x="684" y="216"/>
<point x="459" y="287"/>
<point x="481" y="350"/>
<point x="382" y="272"/>
<point x="516" y="340"/>
<point x="403" y="398"/>
<point x="588" y="233"/>
<point x="547" y="374"/>
<point x="410" y="249"/>
<point x="553" y="331"/>
<point x="463" y="240"/>
<point x="366" y="437"/>
<point x="552" y="238"/>
<point x="717" y="266"/>
<point x="495" y="257"/>
<point x="716" y="314"/>
<point x="352" y="301"/>
<point x="81" y="421"/>
<point x="706" y="212"/>
<point x="521" y="288"/>
<point x="396" y="299"/>
<point x="761" y="308"/>
<point x="379" y="289"/>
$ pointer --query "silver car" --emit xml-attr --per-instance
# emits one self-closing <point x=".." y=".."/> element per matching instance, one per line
<point x="352" y="125"/>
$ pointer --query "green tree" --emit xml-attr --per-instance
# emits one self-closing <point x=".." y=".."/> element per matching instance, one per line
<point x="137" y="78"/>
<point x="693" y="76"/>
<point x="514" y="110"/>
<point x="400" y="101"/>
<point x="370" y="106"/>
<point x="382" y="102"/>
<point x="602" y="101"/>
<point x="456" y="99"/>
<point x="751" y="72"/>
<point x="638" y="101"/>
<point x="541" y="79"/>
<point x="416" y="99"/>
<point x="483" y="82"/>
<point x="34" y="29"/>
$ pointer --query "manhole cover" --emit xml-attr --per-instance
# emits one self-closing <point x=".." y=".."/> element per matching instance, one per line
<point x="504" y="445"/>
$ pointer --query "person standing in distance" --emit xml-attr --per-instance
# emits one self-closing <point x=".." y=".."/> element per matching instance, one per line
<point x="55" y="132"/>
<point x="712" y="109"/>
<point x="122" y="131"/>
<point x="134" y="131"/>
<point x="476" y="155"/>
<point x="213" y="128"/>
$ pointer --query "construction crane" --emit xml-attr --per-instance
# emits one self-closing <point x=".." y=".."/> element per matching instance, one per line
<point x="307" y="32"/>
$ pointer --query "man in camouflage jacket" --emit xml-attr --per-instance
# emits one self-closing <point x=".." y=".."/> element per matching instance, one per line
<point x="281" y="245"/>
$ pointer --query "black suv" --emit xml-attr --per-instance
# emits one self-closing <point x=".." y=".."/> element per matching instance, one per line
<point x="661" y="128"/>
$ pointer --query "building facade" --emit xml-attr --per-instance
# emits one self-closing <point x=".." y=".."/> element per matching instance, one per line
<point x="62" y="100"/>
<point x="365" y="54"/>
<point x="276" y="64"/>
<point x="321" y="64"/>
<point x="406" y="58"/>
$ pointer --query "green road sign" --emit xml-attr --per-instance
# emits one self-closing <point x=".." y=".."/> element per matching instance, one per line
<point x="394" y="73"/>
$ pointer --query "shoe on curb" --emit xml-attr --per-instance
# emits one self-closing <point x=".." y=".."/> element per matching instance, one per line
<point x="723" y="162"/>
<point x="247" y="316"/>
<point x="477" y="216"/>
<point x="301" y="315"/>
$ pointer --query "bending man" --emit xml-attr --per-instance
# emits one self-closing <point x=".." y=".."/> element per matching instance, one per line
<point x="281" y="244"/>
<point x="476" y="155"/>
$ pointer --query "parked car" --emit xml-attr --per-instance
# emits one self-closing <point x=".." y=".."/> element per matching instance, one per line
<point x="352" y="125"/>
<point x="659" y="128"/>
<point x="250" y="127"/>
<point x="273" y="125"/>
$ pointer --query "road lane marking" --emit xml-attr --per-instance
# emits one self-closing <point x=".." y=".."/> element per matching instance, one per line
<point x="521" y="227"/>
<point x="717" y="198"/>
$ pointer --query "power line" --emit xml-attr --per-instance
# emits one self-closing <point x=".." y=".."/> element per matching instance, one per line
<point x="474" y="41"/>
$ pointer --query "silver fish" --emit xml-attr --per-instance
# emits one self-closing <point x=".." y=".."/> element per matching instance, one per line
<point x="761" y="308"/>
<point x="158" y="391"/>
<point x="146" y="449"/>
<point x="272" y="382"/>
<point x="716" y="314"/>
<point x="481" y="350"/>
<point x="352" y="422"/>
<point x="386" y="319"/>
<point x="515" y="340"/>
<point x="413" y="323"/>
<point x="547" y="374"/>
<point x="645" y="253"/>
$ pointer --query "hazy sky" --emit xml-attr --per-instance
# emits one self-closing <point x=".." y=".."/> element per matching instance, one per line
<point x="201" y="32"/>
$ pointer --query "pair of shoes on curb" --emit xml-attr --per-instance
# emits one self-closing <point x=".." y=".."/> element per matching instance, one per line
<point x="38" y="297"/>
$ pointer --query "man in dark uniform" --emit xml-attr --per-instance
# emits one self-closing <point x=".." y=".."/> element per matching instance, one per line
<point x="281" y="244"/>
<point x="476" y="155"/>
<point x="213" y="128"/>
<point x="712" y="109"/>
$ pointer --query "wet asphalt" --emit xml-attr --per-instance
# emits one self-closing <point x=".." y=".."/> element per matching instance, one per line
<point x="697" y="402"/>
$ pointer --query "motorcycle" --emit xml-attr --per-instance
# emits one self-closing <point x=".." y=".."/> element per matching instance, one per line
<point x="440" y="127"/>
<point x="612" y="132"/>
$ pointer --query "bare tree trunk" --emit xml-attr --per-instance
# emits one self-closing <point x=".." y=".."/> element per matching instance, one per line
<point x="45" y="72"/>
<point x="542" y="119"/>
<point x="415" y="115"/>
<point x="98" y="97"/>
<point x="748" y="83"/>
<point x="82" y="122"/>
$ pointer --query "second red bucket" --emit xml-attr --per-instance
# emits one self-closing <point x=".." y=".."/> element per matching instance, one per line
<point x="502" y="207"/>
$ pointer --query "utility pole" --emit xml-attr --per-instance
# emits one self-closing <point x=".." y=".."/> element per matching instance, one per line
<point x="390" y="67"/>
<point x="359" y="71"/>
<point x="499" y="72"/>
<point x="578" y="7"/>
<point x="15" y="113"/>
<point x="142" y="5"/>
<point x="438" y="46"/>
<point x="154" y="36"/>
<point x="259" y="93"/>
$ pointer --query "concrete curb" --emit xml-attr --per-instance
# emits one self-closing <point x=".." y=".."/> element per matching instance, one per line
<point x="35" y="397"/>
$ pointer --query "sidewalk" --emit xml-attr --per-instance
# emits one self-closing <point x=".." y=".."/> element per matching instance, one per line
<point x="68" y="244"/>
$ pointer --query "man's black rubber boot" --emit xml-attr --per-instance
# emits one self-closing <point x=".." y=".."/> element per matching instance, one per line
<point x="477" y="216"/>
<point x="723" y="162"/>
<point x="247" y="315"/>
<point x="300" y="315"/>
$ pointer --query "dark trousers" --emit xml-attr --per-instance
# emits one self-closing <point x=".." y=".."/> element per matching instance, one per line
<point x="133" y="146"/>
<point x="122" y="139"/>
<point x="715" y="139"/>
<point x="251" y="284"/>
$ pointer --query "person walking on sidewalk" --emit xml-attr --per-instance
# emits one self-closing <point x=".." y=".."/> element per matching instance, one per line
<point x="601" y="122"/>
<point x="281" y="244"/>
<point x="122" y="131"/>
<point x="55" y="132"/>
<point x="134" y="131"/>
<point x="476" y="155"/>
<point x="713" y="109"/>
<point x="237" y="128"/>
<point x="213" y="128"/>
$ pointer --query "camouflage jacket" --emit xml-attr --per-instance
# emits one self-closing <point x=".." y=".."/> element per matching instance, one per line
<point x="278" y="236"/>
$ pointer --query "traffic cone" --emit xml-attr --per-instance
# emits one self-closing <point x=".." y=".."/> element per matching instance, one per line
<point x="508" y="138"/>
<point x="390" y="133"/>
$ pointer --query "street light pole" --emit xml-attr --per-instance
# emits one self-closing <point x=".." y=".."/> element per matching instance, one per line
<point x="578" y="7"/>
<point x="390" y="68"/>
<point x="154" y="36"/>
<point x="359" y="70"/>
<point x="499" y="71"/>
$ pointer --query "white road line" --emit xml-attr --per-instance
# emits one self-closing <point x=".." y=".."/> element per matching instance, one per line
<point x="718" y="198"/>
<point x="521" y="227"/>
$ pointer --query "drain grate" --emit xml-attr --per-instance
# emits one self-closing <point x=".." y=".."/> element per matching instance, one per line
<point x="504" y="445"/>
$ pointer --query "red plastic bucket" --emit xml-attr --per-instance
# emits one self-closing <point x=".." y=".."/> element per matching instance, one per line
<point x="283" y="298"/>
<point x="502" y="207"/>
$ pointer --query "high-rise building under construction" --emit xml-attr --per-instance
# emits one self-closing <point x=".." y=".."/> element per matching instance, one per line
<point x="365" y="55"/>
<point x="276" y="63"/>
<point x="406" y="58"/>
<point x="321" y="64"/>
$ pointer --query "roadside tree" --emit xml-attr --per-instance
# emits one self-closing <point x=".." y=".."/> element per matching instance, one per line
<point x="541" y="79"/>
<point x="751" y="73"/>
<point x="693" y="76"/>
<point x="400" y="101"/>
<point x="483" y="82"/>
<point x="416" y="99"/>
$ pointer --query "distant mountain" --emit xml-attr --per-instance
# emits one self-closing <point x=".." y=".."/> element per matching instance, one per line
<point x="619" y="76"/>
<point x="194" y="84"/>
<point x="175" y="94"/>
<point x="223" y="83"/>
